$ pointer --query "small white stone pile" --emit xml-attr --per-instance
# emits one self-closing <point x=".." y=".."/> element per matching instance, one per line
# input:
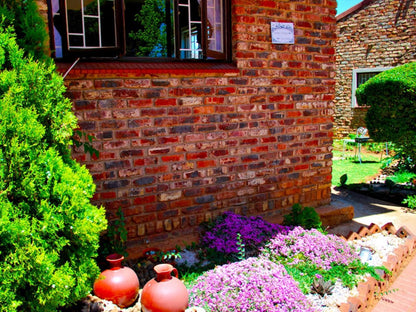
<point x="382" y="245"/>
<point x="331" y="303"/>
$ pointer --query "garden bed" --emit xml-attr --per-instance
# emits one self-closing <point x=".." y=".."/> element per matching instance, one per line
<point x="371" y="290"/>
<point x="382" y="188"/>
<point x="364" y="295"/>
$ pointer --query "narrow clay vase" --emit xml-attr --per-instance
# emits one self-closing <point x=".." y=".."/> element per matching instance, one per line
<point x="118" y="284"/>
<point x="164" y="293"/>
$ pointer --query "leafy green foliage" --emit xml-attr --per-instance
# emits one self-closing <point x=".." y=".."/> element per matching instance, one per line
<point x="49" y="230"/>
<point x="84" y="139"/>
<point x="306" y="217"/>
<point x="114" y="240"/>
<point x="152" y="37"/>
<point x="410" y="201"/>
<point x="30" y="27"/>
<point x="391" y="96"/>
<point x="343" y="179"/>
<point x="402" y="176"/>
<point x="241" y="247"/>
<point x="305" y="273"/>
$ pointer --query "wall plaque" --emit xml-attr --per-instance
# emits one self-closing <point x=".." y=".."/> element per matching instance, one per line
<point x="282" y="33"/>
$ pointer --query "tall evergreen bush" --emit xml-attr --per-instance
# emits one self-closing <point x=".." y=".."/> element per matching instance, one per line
<point x="391" y="97"/>
<point x="29" y="26"/>
<point x="49" y="230"/>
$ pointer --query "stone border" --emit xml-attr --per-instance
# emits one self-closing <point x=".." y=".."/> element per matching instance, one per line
<point x="397" y="261"/>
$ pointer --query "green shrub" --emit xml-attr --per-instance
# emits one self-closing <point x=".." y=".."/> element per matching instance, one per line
<point x="391" y="97"/>
<point x="410" y="201"/>
<point x="29" y="26"/>
<point x="49" y="230"/>
<point x="306" y="217"/>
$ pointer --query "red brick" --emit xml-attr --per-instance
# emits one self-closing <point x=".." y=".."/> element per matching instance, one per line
<point x="144" y="200"/>
<point x="166" y="102"/>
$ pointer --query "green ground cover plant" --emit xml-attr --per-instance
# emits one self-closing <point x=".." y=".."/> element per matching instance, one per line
<point x="49" y="230"/>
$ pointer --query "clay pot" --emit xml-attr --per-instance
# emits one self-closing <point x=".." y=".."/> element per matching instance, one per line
<point x="118" y="284"/>
<point x="164" y="293"/>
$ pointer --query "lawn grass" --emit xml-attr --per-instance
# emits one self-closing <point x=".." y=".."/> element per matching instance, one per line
<point x="347" y="163"/>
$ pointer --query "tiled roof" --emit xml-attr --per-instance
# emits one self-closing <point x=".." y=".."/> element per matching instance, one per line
<point x="353" y="9"/>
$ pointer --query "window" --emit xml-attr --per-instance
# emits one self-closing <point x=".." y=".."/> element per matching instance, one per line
<point x="171" y="29"/>
<point x="361" y="75"/>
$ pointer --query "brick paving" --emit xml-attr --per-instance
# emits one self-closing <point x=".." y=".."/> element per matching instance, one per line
<point x="402" y="293"/>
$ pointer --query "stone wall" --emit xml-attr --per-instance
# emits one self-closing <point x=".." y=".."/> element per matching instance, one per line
<point x="180" y="144"/>
<point x="382" y="33"/>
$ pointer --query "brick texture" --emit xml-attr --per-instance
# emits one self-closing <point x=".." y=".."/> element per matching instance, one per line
<point x="380" y="34"/>
<point x="179" y="148"/>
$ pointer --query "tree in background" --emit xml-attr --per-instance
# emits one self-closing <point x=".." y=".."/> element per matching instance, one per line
<point x="49" y="230"/>
<point x="391" y="97"/>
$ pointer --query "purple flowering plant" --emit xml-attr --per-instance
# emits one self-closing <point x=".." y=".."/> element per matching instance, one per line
<point x="288" y="261"/>
<point x="322" y="250"/>
<point x="254" y="284"/>
<point x="227" y="233"/>
<point x="309" y="254"/>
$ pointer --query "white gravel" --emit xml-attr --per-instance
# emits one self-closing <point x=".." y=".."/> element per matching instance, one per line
<point x="382" y="244"/>
<point x="331" y="303"/>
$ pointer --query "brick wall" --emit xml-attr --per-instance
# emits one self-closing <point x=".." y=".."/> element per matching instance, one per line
<point x="380" y="34"/>
<point x="181" y="146"/>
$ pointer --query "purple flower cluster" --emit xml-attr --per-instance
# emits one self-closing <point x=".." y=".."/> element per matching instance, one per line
<point x="254" y="232"/>
<point x="254" y="284"/>
<point x="310" y="245"/>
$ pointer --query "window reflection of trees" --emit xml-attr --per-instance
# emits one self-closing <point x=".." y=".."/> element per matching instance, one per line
<point x="148" y="35"/>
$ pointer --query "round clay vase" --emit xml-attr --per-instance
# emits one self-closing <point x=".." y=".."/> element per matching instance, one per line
<point x="164" y="293"/>
<point x="118" y="284"/>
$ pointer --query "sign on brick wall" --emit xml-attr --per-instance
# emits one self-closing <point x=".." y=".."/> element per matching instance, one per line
<point x="283" y="33"/>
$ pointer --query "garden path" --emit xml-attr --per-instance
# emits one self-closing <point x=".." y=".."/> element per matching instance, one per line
<point x="368" y="210"/>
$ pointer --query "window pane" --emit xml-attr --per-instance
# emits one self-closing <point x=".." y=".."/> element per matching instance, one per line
<point x="76" y="41"/>
<point x="215" y="25"/>
<point x="363" y="77"/>
<point x="191" y="47"/>
<point x="91" y="7"/>
<point x="91" y="32"/>
<point x="190" y="30"/>
<point x="108" y="27"/>
<point x="74" y="16"/>
<point x="91" y="23"/>
<point x="149" y="28"/>
<point x="57" y="21"/>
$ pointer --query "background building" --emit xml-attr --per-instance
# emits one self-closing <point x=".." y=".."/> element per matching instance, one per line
<point x="373" y="36"/>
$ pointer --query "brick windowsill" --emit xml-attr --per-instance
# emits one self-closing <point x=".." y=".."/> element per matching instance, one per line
<point x="141" y="68"/>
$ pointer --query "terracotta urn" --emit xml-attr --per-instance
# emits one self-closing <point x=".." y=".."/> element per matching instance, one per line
<point x="164" y="293"/>
<point x="118" y="284"/>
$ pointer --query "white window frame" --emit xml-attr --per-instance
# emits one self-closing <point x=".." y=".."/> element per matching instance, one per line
<point x="355" y="73"/>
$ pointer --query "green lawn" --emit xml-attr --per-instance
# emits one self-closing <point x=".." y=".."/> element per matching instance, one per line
<point x="357" y="172"/>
